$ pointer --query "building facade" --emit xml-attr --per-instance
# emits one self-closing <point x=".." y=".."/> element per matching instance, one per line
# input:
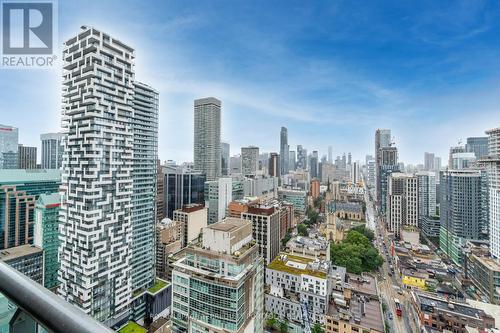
<point x="102" y="214"/>
<point x="462" y="211"/>
<point x="52" y="150"/>
<point x="298" y="198"/>
<point x="218" y="195"/>
<point x="9" y="140"/>
<point x="225" y="151"/>
<point x="19" y="191"/>
<point x="46" y="235"/>
<point x="218" y="286"/>
<point x="492" y="162"/>
<point x="207" y="137"/>
<point x="478" y="146"/>
<point x="266" y="229"/>
<point x="274" y="166"/>
<point x="249" y="160"/>
<point x="402" y="202"/>
<point x="26" y="157"/>
<point x="426" y="194"/>
<point x="284" y="151"/>
<point x="382" y="139"/>
<point x="27" y="259"/>
<point x="192" y="219"/>
<point x="181" y="187"/>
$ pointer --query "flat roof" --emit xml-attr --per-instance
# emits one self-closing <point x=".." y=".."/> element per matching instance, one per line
<point x="18" y="251"/>
<point x="229" y="224"/>
<point x="12" y="176"/>
<point x="489" y="263"/>
<point x="297" y="265"/>
<point x="442" y="304"/>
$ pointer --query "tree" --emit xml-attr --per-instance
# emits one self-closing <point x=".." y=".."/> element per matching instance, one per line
<point x="317" y="328"/>
<point x="271" y="321"/>
<point x="284" y="326"/>
<point x="356" y="253"/>
<point x="302" y="229"/>
<point x="364" y="231"/>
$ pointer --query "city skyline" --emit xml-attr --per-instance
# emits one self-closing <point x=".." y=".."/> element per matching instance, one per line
<point x="337" y="96"/>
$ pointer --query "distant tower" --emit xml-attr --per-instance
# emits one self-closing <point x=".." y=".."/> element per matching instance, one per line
<point x="207" y="144"/>
<point x="284" y="151"/>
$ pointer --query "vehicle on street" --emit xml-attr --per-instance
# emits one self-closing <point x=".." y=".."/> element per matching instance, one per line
<point x="399" y="308"/>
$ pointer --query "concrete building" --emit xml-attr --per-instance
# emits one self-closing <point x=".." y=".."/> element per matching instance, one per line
<point x="160" y="193"/>
<point x="314" y="188"/>
<point x="355" y="174"/>
<point x="292" y="162"/>
<point x="492" y="163"/>
<point x="249" y="160"/>
<point x="46" y="235"/>
<point x="168" y="241"/>
<point x="462" y="212"/>
<point x="9" y="140"/>
<point x="192" y="219"/>
<point x="484" y="273"/>
<point x="274" y="167"/>
<point x="145" y="166"/>
<point x="462" y="160"/>
<point x="370" y="168"/>
<point x="297" y="198"/>
<point x="52" y="150"/>
<point x="299" y="289"/>
<point x="313" y="164"/>
<point x="182" y="186"/>
<point x="26" y="157"/>
<point x="387" y="164"/>
<point x="104" y="265"/>
<point x="429" y="159"/>
<point x="27" y="259"/>
<point x="218" y="285"/>
<point x="356" y="307"/>
<point x="19" y="191"/>
<point x="314" y="248"/>
<point x="207" y="142"/>
<point x="454" y="150"/>
<point x="265" y="229"/>
<point x="382" y="139"/>
<point x="478" y="146"/>
<point x="284" y="151"/>
<point x="301" y="158"/>
<point x="426" y="194"/>
<point x="225" y="151"/>
<point x="430" y="226"/>
<point x="218" y="195"/>
<point x="235" y="164"/>
<point x="402" y="202"/>
<point x="440" y="314"/>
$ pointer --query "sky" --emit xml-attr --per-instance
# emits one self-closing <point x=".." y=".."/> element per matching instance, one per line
<point x="330" y="71"/>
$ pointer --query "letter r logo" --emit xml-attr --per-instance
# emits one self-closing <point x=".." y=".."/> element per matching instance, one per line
<point x="27" y="27"/>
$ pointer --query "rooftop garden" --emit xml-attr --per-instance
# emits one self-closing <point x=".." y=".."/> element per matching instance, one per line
<point x="159" y="284"/>
<point x="132" y="327"/>
<point x="280" y="265"/>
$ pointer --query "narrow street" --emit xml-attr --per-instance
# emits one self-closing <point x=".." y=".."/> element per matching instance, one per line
<point x="389" y="286"/>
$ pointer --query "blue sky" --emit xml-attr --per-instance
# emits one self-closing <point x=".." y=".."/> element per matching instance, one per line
<point x="332" y="72"/>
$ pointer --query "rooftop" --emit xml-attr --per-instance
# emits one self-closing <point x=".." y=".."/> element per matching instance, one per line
<point x="49" y="200"/>
<point x="159" y="285"/>
<point x="18" y="251"/>
<point x="454" y="307"/>
<point x="13" y="176"/>
<point x="229" y="224"/>
<point x="309" y="243"/>
<point x="297" y="265"/>
<point x="132" y="327"/>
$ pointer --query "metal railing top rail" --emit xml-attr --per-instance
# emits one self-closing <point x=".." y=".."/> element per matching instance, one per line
<point x="46" y="308"/>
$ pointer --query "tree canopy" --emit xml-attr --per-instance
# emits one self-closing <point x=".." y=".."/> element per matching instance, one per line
<point x="356" y="253"/>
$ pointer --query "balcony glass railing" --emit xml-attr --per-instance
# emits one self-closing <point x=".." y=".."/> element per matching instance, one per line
<point x="27" y="307"/>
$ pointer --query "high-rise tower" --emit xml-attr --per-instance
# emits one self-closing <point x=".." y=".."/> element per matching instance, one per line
<point x="107" y="214"/>
<point x="284" y="151"/>
<point x="207" y="144"/>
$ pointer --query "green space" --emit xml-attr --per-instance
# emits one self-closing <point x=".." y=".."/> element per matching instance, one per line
<point x="356" y="252"/>
<point x="132" y="327"/>
<point x="279" y="265"/>
<point x="159" y="284"/>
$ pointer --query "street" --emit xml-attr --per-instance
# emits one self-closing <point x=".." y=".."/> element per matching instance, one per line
<point x="389" y="285"/>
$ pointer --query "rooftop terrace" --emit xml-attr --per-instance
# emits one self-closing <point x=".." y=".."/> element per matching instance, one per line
<point x="297" y="265"/>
